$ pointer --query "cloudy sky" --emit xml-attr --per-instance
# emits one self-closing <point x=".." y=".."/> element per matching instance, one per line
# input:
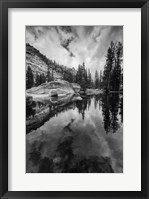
<point x="71" y="45"/>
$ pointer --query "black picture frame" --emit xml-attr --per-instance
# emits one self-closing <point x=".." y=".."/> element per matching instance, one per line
<point x="4" y="6"/>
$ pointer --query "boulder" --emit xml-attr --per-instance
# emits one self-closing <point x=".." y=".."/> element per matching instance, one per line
<point x="58" y="92"/>
<point x="61" y="100"/>
<point x="53" y="88"/>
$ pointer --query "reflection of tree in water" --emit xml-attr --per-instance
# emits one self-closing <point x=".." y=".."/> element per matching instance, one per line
<point x="65" y="161"/>
<point x="106" y="114"/>
<point x="110" y="109"/>
<point x="114" y="103"/>
<point x="97" y="101"/>
<point x="82" y="107"/>
<point x="111" y="104"/>
<point x="45" y="110"/>
<point x="121" y="108"/>
<point x="30" y="112"/>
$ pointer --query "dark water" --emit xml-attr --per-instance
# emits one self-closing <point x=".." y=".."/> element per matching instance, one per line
<point x="76" y="136"/>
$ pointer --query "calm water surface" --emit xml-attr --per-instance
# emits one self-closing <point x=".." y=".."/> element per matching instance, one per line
<point x="77" y="136"/>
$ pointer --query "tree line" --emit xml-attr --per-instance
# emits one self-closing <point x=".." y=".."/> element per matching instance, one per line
<point x="38" y="79"/>
<point x="82" y="76"/>
<point x="111" y="79"/>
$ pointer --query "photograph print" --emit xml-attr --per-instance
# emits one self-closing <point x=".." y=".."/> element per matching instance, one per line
<point x="74" y="99"/>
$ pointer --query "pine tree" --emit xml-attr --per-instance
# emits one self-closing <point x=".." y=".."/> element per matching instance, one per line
<point x="89" y="79"/>
<point x="37" y="80"/>
<point x="78" y="75"/>
<point x="109" y="66"/>
<point x="48" y="78"/>
<point x="119" y="60"/>
<point x="96" y="80"/>
<point x="52" y="76"/>
<point x="42" y="78"/>
<point x="113" y="75"/>
<point x="29" y="78"/>
<point x="116" y="74"/>
<point x="83" y="77"/>
<point x="100" y="80"/>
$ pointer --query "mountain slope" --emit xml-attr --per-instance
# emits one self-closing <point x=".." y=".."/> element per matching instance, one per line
<point x="40" y="64"/>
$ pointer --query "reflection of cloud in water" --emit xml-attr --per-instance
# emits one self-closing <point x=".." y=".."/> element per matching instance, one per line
<point x="110" y="145"/>
<point x="68" y="139"/>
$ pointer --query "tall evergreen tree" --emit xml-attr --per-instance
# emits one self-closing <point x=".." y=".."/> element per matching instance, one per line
<point x="48" y="78"/>
<point x="42" y="78"/>
<point x="89" y="79"/>
<point x="109" y="66"/>
<point x="100" y="80"/>
<point x="78" y="75"/>
<point x="83" y="78"/>
<point x="119" y="60"/>
<point x="116" y="75"/>
<point x="113" y="75"/>
<point x="96" y="79"/>
<point x="52" y="76"/>
<point x="29" y="78"/>
<point x="37" y="80"/>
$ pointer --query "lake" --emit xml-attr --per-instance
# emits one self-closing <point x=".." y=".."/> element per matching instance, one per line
<point x="74" y="135"/>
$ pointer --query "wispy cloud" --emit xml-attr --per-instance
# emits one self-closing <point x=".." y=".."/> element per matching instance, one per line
<point x="71" y="45"/>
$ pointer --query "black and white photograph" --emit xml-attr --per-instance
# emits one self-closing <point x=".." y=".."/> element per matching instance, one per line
<point x="74" y="99"/>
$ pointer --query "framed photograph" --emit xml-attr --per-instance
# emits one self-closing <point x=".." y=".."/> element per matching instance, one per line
<point x="74" y="99"/>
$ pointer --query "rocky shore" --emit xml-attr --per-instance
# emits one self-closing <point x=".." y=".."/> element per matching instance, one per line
<point x="46" y="100"/>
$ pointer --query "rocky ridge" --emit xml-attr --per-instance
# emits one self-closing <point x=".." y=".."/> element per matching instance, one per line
<point x="40" y="64"/>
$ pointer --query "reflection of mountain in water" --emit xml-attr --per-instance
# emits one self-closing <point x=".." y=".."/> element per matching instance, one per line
<point x="46" y="109"/>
